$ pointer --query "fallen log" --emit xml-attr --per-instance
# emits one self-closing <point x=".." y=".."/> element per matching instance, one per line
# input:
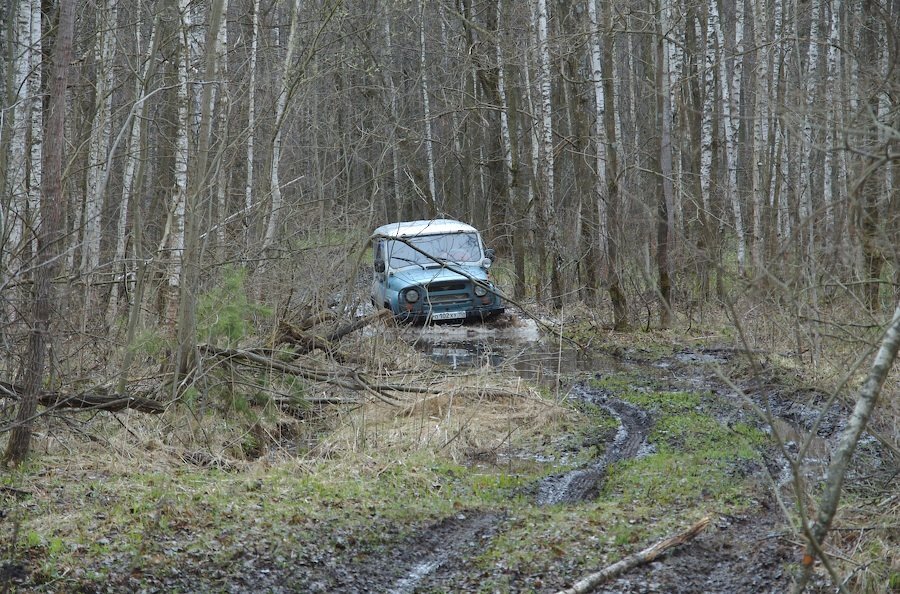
<point x="299" y="336"/>
<point x="590" y="582"/>
<point x="346" y="378"/>
<point x="95" y="400"/>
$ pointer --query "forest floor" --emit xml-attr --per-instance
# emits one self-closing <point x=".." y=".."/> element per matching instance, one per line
<point x="591" y="456"/>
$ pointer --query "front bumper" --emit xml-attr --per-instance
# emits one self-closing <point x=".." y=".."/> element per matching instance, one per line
<point x="424" y="316"/>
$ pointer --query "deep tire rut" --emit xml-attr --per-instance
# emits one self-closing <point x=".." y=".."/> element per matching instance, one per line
<point x="446" y="541"/>
<point x="584" y="483"/>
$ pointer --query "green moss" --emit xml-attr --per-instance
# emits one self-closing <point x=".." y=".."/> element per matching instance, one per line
<point x="696" y="433"/>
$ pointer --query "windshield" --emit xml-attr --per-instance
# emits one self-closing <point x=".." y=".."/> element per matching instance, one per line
<point x="461" y="248"/>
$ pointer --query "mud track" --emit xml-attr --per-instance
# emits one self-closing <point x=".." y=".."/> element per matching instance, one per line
<point x="741" y="554"/>
<point x="444" y="550"/>
<point x="449" y="541"/>
<point x="582" y="484"/>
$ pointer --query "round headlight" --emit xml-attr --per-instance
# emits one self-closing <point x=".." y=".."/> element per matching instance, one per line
<point x="481" y="290"/>
<point x="411" y="296"/>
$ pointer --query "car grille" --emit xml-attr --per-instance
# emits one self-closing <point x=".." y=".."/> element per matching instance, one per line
<point x="448" y="293"/>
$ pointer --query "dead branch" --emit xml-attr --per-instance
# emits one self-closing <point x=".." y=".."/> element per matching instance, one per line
<point x="590" y="582"/>
<point x="350" y="380"/>
<point x="299" y="336"/>
<point x="86" y="400"/>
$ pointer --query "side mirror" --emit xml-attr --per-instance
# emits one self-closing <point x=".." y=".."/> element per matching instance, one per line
<point x="490" y="254"/>
<point x="379" y="266"/>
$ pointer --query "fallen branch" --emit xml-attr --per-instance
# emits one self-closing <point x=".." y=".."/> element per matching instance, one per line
<point x="86" y="400"/>
<point x="298" y="335"/>
<point x="588" y="583"/>
<point x="350" y="380"/>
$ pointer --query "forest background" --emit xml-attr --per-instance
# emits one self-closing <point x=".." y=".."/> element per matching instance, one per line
<point x="649" y="162"/>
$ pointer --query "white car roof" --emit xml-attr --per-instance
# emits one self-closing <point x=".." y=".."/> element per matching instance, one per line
<point x="423" y="227"/>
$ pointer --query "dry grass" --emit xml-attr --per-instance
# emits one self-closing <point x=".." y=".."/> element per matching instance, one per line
<point x="469" y="416"/>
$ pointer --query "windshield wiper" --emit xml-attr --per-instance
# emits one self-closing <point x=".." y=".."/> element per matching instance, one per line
<point x="408" y="260"/>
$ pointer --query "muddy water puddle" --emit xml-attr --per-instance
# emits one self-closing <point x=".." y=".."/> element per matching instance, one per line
<point x="518" y="349"/>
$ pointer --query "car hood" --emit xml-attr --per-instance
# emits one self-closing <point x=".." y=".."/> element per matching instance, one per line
<point x="418" y="276"/>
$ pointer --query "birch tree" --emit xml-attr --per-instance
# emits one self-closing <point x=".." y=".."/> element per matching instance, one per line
<point x="426" y="112"/>
<point x="136" y="121"/>
<point x="617" y="296"/>
<point x="281" y="103"/>
<point x="251" y="124"/>
<point x="49" y="235"/>
<point x="175" y="223"/>
<point x="600" y="163"/>
<point x="23" y="156"/>
<point x="187" y="320"/>
<point x="866" y="402"/>
<point x="547" y="194"/>
<point x="728" y="33"/>
<point x="101" y="129"/>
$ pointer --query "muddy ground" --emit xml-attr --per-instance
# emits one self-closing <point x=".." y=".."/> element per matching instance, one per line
<point x="751" y="551"/>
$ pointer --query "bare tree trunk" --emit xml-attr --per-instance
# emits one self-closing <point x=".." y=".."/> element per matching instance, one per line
<point x="869" y="186"/>
<point x="187" y="320"/>
<point x="596" y="58"/>
<point x="177" y="208"/>
<point x="843" y="453"/>
<point x="697" y="228"/>
<point x="548" y="208"/>
<point x="729" y="97"/>
<point x="275" y="214"/>
<point x="664" y="185"/>
<point x="23" y="170"/>
<point x="222" y="93"/>
<point x="51" y="230"/>
<point x="617" y="296"/>
<point x="509" y="119"/>
<point x="35" y="87"/>
<point x="129" y="187"/>
<point x="394" y="122"/>
<point x="426" y="111"/>
<point x="251" y="128"/>
<point x="101" y="130"/>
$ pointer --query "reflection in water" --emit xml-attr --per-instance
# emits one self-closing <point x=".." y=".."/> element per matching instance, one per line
<point x="530" y="360"/>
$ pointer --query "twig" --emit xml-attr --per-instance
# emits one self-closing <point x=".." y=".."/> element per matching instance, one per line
<point x="588" y="583"/>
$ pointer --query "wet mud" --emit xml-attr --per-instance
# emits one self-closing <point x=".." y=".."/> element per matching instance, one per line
<point x="584" y="483"/>
<point x="737" y="554"/>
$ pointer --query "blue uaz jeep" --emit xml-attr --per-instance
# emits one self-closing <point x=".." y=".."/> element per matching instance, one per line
<point x="433" y="270"/>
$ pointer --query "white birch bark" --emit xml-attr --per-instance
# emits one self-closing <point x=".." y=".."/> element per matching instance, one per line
<point x="843" y="453"/>
<point x="808" y="87"/>
<point x="600" y="143"/>
<point x="666" y="145"/>
<point x="176" y="236"/>
<point x="426" y="109"/>
<point x="36" y="113"/>
<point x="535" y="133"/>
<point x="251" y="122"/>
<point x="547" y="162"/>
<point x="17" y="165"/>
<point x="504" y="104"/>
<point x="449" y="59"/>
<point x="831" y="57"/>
<point x="131" y="159"/>
<point x="221" y="97"/>
<point x="730" y="99"/>
<point x="545" y="86"/>
<point x="101" y="130"/>
<point x="278" y="139"/>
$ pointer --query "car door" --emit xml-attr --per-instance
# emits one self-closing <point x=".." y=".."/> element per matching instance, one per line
<point x="379" y="278"/>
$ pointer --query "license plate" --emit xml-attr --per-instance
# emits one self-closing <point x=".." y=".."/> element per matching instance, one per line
<point x="448" y="315"/>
